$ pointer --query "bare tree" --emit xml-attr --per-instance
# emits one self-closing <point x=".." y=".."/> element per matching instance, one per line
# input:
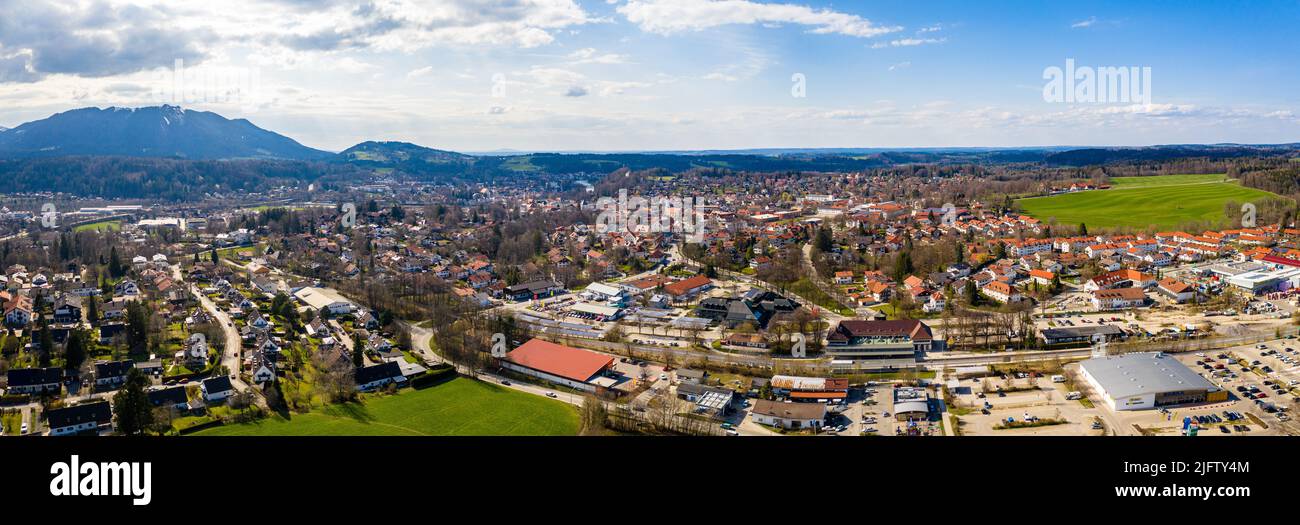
<point x="594" y="416"/>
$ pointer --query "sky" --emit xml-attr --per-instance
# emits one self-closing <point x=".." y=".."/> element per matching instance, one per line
<point x="618" y="75"/>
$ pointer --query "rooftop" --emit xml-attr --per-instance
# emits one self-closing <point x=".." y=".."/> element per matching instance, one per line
<point x="559" y="360"/>
<point x="1136" y="374"/>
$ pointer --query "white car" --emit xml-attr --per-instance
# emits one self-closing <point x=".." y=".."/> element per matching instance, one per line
<point x="551" y="395"/>
<point x="24" y="429"/>
<point x="663" y="377"/>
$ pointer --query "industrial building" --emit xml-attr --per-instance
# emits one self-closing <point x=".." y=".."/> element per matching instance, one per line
<point x="562" y="365"/>
<point x="810" y="388"/>
<point x="1258" y="277"/>
<point x="1147" y="380"/>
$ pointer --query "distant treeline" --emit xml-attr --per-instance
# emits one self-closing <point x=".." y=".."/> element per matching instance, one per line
<point x="157" y="178"/>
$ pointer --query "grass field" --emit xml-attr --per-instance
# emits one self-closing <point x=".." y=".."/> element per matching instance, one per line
<point x="1138" y="202"/>
<point x="106" y="226"/>
<point x="1166" y="180"/>
<point x="460" y="407"/>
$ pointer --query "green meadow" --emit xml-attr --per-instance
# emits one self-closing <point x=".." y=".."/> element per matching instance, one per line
<point x="460" y="407"/>
<point x="1137" y="202"/>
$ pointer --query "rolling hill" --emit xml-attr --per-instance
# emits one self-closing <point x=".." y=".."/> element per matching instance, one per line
<point x="406" y="157"/>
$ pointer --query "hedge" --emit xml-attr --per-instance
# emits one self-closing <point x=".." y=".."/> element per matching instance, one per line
<point x="435" y="376"/>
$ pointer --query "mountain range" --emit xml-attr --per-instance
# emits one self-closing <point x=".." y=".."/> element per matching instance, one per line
<point x="159" y="131"/>
<point x="170" y="153"/>
<point x="172" y="132"/>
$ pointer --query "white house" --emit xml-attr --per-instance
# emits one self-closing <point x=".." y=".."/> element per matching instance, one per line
<point x="789" y="415"/>
<point x="216" y="388"/>
<point x="1001" y="292"/>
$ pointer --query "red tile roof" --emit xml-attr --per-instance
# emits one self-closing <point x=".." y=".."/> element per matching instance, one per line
<point x="686" y="285"/>
<point x="559" y="360"/>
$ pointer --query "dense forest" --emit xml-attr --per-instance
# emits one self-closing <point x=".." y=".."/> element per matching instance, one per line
<point x="162" y="179"/>
<point x="989" y="175"/>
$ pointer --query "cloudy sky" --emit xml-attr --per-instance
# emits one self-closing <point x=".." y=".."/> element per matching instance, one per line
<point x="663" y="74"/>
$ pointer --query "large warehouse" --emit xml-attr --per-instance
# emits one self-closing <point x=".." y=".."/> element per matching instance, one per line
<point x="1147" y="380"/>
<point x="562" y="365"/>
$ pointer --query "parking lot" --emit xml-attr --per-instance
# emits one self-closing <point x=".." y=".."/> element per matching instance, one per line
<point x="985" y="402"/>
<point x="864" y="411"/>
<point x="1262" y="379"/>
<point x="1239" y="415"/>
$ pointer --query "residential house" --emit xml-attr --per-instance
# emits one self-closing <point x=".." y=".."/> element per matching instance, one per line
<point x="789" y="415"/>
<point x="216" y="388"/>
<point x="377" y="376"/>
<point x="111" y="374"/>
<point x="35" y="380"/>
<point x="84" y="418"/>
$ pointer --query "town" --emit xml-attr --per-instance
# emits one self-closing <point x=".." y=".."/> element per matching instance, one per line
<point x="839" y="312"/>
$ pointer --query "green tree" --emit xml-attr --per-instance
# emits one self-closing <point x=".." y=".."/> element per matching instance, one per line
<point x="115" y="268"/>
<point x="92" y="310"/>
<point x="358" y="351"/>
<point x="132" y="411"/>
<point x="824" y="241"/>
<point x="137" y="325"/>
<point x="46" y="342"/>
<point x="75" y="352"/>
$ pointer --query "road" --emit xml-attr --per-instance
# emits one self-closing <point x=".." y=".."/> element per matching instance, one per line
<point x="230" y="355"/>
<point x="420" y="338"/>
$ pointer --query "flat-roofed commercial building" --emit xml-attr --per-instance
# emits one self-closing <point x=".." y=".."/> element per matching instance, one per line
<point x="1079" y="334"/>
<point x="1147" y="380"/>
<point x="911" y="404"/>
<point x="810" y="388"/>
<point x="322" y="299"/>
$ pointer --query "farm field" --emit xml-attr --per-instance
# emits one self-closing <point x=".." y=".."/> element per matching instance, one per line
<point x="1167" y="180"/>
<point x="106" y="226"/>
<point x="460" y="407"/>
<point x="1138" y="202"/>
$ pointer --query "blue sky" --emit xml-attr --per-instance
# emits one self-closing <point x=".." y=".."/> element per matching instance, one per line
<point x="665" y="74"/>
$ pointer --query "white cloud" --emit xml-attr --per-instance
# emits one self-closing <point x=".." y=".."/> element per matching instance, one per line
<point x="900" y="65"/>
<point x="674" y="16"/>
<point x="908" y="42"/>
<point x="716" y="75"/>
<point x="589" y="55"/>
<point x="420" y="73"/>
<point x="96" y="38"/>
<point x="1089" y="22"/>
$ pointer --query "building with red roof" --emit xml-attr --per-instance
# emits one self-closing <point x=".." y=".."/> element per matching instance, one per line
<point x="562" y="365"/>
<point x="687" y="288"/>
